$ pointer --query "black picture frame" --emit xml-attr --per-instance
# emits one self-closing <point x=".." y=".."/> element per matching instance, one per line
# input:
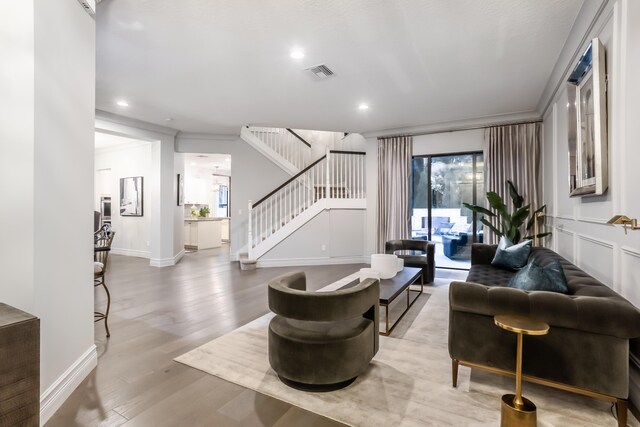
<point x="132" y="196"/>
<point x="180" y="190"/>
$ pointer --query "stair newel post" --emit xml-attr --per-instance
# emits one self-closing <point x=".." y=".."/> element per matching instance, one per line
<point x="250" y="231"/>
<point x="327" y="194"/>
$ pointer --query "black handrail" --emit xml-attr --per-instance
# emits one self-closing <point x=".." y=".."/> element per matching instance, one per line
<point x="299" y="137"/>
<point x="357" y="153"/>
<point x="290" y="180"/>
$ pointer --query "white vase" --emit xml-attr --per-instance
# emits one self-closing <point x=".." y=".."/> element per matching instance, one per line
<point x="400" y="264"/>
<point x="386" y="264"/>
<point x="369" y="273"/>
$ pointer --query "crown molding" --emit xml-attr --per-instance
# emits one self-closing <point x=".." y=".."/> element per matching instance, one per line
<point x="134" y="123"/>
<point x="583" y="30"/>
<point x="458" y="125"/>
<point x="207" y="136"/>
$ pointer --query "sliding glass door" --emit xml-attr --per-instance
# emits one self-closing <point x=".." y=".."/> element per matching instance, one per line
<point x="441" y="184"/>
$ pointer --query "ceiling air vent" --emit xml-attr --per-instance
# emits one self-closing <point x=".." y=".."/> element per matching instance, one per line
<point x="320" y="72"/>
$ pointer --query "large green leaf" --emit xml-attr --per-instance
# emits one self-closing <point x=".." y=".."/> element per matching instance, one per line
<point x="514" y="235"/>
<point x="518" y="217"/>
<point x="540" y="235"/>
<point x="517" y="199"/>
<point x="533" y="216"/>
<point x="478" y="209"/>
<point x="491" y="227"/>
<point x="495" y="201"/>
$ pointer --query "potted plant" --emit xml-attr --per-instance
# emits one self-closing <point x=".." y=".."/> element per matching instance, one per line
<point x="204" y="211"/>
<point x="509" y="224"/>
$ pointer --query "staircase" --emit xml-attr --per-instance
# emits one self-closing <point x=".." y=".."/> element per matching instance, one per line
<point x="335" y="181"/>
<point x="282" y="146"/>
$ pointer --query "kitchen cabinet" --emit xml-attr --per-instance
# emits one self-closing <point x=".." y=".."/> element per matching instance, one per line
<point x="202" y="233"/>
<point x="224" y="229"/>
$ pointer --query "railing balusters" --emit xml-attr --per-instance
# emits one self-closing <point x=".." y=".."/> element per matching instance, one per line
<point x="338" y="175"/>
<point x="282" y="141"/>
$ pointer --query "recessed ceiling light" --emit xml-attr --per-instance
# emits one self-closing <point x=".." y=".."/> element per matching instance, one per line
<point x="122" y="103"/>
<point x="363" y="107"/>
<point x="297" y="54"/>
<point x="169" y="119"/>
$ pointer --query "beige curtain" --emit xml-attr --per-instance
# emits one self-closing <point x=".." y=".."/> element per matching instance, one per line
<point x="394" y="189"/>
<point x="513" y="153"/>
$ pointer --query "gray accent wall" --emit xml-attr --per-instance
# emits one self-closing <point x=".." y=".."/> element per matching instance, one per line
<point x="330" y="235"/>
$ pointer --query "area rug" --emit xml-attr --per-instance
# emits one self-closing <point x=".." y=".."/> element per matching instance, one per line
<point x="407" y="384"/>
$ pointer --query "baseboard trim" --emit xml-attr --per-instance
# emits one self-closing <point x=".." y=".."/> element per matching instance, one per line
<point x="131" y="252"/>
<point x="166" y="262"/>
<point x="293" y="262"/>
<point x="61" y="389"/>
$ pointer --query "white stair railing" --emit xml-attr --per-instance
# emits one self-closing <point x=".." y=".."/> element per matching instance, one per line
<point x="337" y="175"/>
<point x="286" y="143"/>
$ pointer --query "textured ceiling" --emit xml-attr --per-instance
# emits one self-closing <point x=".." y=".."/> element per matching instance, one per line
<point x="213" y="65"/>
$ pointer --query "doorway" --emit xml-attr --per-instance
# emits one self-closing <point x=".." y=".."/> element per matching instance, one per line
<point x="441" y="184"/>
<point x="207" y="190"/>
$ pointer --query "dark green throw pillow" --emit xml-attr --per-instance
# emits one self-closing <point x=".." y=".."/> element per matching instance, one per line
<point x="510" y="256"/>
<point x="536" y="278"/>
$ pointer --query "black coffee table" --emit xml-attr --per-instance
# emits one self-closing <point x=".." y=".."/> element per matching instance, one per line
<point x="390" y="289"/>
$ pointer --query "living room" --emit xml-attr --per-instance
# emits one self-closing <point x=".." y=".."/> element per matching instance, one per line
<point x="434" y="72"/>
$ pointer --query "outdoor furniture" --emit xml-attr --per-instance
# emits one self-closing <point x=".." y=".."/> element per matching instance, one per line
<point x="421" y="255"/>
<point x="102" y="245"/>
<point x="321" y="340"/>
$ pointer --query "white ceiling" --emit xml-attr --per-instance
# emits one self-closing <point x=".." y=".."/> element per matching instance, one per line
<point x="213" y="65"/>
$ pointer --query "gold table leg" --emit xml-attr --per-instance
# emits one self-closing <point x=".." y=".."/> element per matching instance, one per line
<point x="515" y="410"/>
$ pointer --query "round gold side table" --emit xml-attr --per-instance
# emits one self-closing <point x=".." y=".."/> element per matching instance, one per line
<point x="515" y="410"/>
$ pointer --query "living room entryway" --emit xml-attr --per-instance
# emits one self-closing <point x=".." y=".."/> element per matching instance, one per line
<point x="441" y="184"/>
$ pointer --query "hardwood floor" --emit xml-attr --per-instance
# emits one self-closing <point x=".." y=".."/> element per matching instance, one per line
<point x="160" y="313"/>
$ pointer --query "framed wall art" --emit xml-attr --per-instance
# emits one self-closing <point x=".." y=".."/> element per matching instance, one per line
<point x="180" y="190"/>
<point x="587" y="126"/>
<point x="132" y="196"/>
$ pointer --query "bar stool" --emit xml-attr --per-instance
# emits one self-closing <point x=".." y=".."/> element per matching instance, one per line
<point x="102" y="245"/>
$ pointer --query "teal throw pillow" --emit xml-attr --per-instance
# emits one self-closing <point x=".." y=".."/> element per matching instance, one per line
<point x="511" y="257"/>
<point x="536" y="278"/>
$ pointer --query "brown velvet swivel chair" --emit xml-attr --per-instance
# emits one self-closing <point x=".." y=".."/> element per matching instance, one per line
<point x="424" y="258"/>
<point x="321" y="340"/>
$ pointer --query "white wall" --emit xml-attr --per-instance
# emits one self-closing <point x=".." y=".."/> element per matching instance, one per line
<point x="47" y="81"/>
<point x="17" y="152"/>
<point x="336" y="235"/>
<point x="579" y="224"/>
<point x="166" y="223"/>
<point x="582" y="234"/>
<point x="178" y="217"/>
<point x="133" y="234"/>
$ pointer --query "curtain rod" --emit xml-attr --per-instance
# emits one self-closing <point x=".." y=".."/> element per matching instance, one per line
<point x="458" y="129"/>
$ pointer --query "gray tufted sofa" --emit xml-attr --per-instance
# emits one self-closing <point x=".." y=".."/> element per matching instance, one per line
<point x="586" y="350"/>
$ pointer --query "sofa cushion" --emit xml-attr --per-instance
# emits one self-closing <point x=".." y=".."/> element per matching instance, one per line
<point x="510" y="256"/>
<point x="489" y="275"/>
<point x="533" y="277"/>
